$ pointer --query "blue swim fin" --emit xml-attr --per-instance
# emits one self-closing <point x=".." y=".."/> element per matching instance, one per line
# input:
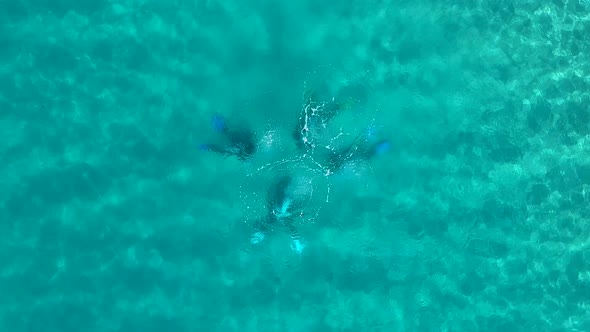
<point x="381" y="147"/>
<point x="218" y="123"/>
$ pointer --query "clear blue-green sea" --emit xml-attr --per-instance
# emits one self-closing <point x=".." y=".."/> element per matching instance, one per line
<point x="294" y="166"/>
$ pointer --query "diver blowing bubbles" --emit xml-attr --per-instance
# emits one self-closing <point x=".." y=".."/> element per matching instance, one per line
<point x="286" y="186"/>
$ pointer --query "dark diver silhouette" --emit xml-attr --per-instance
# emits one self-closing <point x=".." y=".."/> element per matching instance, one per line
<point x="239" y="141"/>
<point x="282" y="206"/>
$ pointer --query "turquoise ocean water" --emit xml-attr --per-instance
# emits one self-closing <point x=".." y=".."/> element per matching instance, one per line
<point x="114" y="215"/>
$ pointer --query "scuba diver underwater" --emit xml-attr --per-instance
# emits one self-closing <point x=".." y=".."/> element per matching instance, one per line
<point x="239" y="142"/>
<point x="285" y="200"/>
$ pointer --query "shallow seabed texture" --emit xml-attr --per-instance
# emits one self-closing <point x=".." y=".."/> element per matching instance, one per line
<point x="114" y="218"/>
